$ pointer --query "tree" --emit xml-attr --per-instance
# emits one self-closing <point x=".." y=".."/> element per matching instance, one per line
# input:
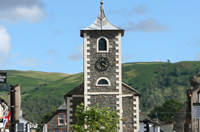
<point x="187" y="70"/>
<point x="166" y="111"/>
<point x="177" y="72"/>
<point x="45" y="117"/>
<point x="169" y="80"/>
<point x="168" y="61"/>
<point x="96" y="119"/>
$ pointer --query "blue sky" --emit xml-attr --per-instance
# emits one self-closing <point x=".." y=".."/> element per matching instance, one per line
<point x="44" y="35"/>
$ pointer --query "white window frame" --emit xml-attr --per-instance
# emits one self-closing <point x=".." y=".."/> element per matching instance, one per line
<point x="107" y="44"/>
<point x="65" y="118"/>
<point x="103" y="84"/>
<point x="61" y="119"/>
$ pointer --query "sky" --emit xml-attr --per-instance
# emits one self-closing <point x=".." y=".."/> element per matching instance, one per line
<point x="44" y="35"/>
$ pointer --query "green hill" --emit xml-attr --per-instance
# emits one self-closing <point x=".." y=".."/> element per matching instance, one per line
<point x="156" y="81"/>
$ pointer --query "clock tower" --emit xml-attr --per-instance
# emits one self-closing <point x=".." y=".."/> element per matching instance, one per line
<point x="103" y="73"/>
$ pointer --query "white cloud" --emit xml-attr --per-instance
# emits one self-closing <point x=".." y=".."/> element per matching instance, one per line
<point x="16" y="10"/>
<point x="5" y="46"/>
<point x="139" y="10"/>
<point x="157" y="60"/>
<point x="78" y="55"/>
<point x="197" y="57"/>
<point x="29" y="61"/>
<point x="128" y="12"/>
<point x="150" y="25"/>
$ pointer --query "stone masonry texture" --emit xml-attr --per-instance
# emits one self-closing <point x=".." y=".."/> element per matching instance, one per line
<point x="110" y="73"/>
<point x="76" y="101"/>
<point x="127" y="105"/>
<point x="104" y="101"/>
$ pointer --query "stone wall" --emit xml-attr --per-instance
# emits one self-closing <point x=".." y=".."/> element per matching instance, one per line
<point x="128" y="119"/>
<point x="76" y="101"/>
<point x="104" y="101"/>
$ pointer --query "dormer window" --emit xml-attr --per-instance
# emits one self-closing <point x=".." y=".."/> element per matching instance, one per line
<point x="102" y="44"/>
<point x="61" y="119"/>
<point x="103" y="81"/>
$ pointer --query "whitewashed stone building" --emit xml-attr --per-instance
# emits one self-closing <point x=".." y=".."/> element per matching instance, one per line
<point x="24" y="125"/>
<point x="148" y="125"/>
<point x="103" y="76"/>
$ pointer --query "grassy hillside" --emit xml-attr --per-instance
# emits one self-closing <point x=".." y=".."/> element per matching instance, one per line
<point x="156" y="82"/>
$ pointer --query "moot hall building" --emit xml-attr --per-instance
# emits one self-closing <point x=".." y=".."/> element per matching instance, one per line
<point x="103" y="76"/>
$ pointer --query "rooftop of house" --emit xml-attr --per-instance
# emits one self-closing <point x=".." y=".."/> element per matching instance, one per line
<point x="144" y="117"/>
<point x="2" y="100"/>
<point x="63" y="107"/>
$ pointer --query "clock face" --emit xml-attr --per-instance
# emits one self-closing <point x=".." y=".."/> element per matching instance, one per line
<point x="102" y="64"/>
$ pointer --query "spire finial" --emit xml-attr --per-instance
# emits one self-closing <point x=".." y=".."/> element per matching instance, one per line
<point x="101" y="8"/>
<point x="101" y="2"/>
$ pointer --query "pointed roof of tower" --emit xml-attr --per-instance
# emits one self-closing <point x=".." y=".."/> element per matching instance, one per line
<point x="102" y="23"/>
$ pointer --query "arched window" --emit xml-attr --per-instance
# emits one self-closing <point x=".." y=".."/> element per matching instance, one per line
<point x="103" y="82"/>
<point x="102" y="44"/>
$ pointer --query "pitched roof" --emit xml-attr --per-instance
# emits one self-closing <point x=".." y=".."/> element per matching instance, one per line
<point x="131" y="88"/>
<point x="166" y="127"/>
<point x="63" y="107"/>
<point x="144" y="117"/>
<point x="2" y="100"/>
<point x="79" y="90"/>
<point x="102" y="23"/>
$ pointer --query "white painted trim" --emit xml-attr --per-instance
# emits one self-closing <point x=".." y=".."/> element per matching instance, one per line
<point x="119" y="70"/>
<point x="77" y="95"/>
<point x="119" y="77"/>
<point x="86" y="70"/>
<point x="97" y="93"/>
<point x="59" y="119"/>
<point x="107" y="45"/>
<point x="127" y="95"/>
<point x="103" y="84"/>
<point x="68" y="113"/>
<point x="136" y="108"/>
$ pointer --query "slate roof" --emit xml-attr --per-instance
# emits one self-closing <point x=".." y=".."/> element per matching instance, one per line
<point x="144" y="117"/>
<point x="63" y="107"/>
<point x="167" y="127"/>
<point x="79" y="90"/>
<point x="137" y="93"/>
<point x="102" y="23"/>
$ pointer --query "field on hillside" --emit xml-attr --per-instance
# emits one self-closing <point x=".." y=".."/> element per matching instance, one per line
<point x="156" y="81"/>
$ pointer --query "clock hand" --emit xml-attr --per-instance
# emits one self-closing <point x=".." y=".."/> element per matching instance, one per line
<point x="104" y="64"/>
